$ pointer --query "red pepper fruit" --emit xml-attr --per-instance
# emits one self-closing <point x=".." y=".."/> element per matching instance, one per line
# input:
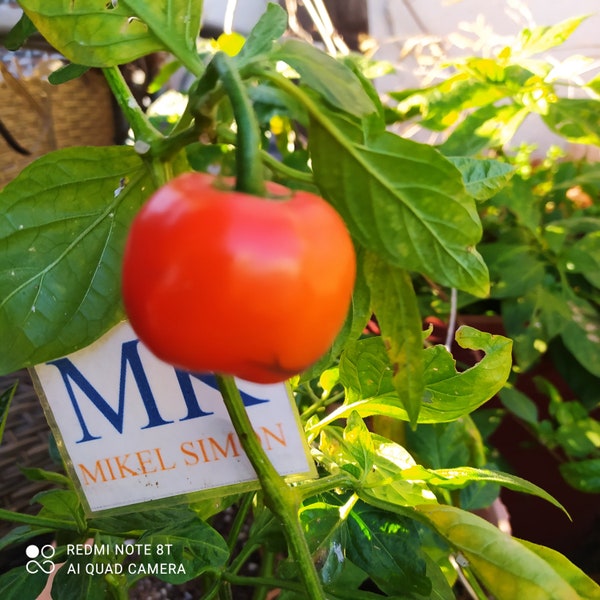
<point x="216" y="280"/>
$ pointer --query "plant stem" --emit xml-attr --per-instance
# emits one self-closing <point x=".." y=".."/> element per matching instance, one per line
<point x="270" y="161"/>
<point x="239" y="521"/>
<point x="248" y="162"/>
<point x="280" y="498"/>
<point x="267" y="567"/>
<point x="143" y="131"/>
<point x="270" y="582"/>
<point x="14" y="517"/>
<point x="452" y="319"/>
<point x="469" y="581"/>
<point x="325" y="484"/>
<point x="245" y="553"/>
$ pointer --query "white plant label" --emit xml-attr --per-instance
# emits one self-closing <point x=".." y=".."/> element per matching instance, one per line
<point x="133" y="429"/>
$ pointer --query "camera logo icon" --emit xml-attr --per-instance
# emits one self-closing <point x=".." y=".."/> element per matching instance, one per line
<point x="40" y="559"/>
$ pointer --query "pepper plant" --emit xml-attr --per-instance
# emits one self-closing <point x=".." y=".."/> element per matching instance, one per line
<point x="377" y="522"/>
<point x="541" y="237"/>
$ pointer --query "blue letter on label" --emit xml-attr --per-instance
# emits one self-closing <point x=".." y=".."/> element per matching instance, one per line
<point x="129" y="356"/>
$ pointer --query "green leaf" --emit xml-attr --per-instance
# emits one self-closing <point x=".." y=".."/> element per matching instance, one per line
<point x="66" y="73"/>
<point x="449" y="392"/>
<point x="202" y="157"/>
<point x="270" y="27"/>
<point x="359" y="442"/>
<point x="333" y="80"/>
<point x="63" y="505"/>
<point x="444" y="445"/>
<point x="586" y="587"/>
<point x="73" y="582"/>
<point x="519" y="198"/>
<point x="479" y="495"/>
<point x="20" y="535"/>
<point x="20" y="33"/>
<point x="594" y="84"/>
<point x="63" y="224"/>
<point x="583" y="256"/>
<point x="92" y="33"/>
<point x="447" y="101"/>
<point x="384" y="481"/>
<point x="459" y="477"/>
<point x="366" y="374"/>
<point x="575" y="119"/>
<point x="543" y="38"/>
<point x="196" y="546"/>
<point x="18" y="584"/>
<point x="400" y="199"/>
<point x="394" y="302"/>
<point x="483" y="178"/>
<point x="326" y="534"/>
<point x="137" y="522"/>
<point x="581" y="334"/>
<point x="506" y="568"/>
<point x="5" y="400"/>
<point x="387" y="547"/>
<point x="583" y="475"/>
<point x="176" y="24"/>
<point x="35" y="474"/>
<point x="520" y="405"/>
<point x="533" y="320"/>
<point x="365" y="370"/>
<point x="337" y="536"/>
<point x="107" y="34"/>
<point x="514" y="268"/>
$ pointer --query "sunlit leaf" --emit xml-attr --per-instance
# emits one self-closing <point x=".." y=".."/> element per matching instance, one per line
<point x="507" y="569"/>
<point x="366" y="373"/>
<point x="586" y="587"/>
<point x="385" y="461"/>
<point x="543" y="38"/>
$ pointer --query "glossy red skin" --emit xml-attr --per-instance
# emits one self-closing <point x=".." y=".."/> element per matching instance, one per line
<point x="215" y="280"/>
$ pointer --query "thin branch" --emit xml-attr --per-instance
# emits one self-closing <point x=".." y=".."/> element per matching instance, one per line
<point x="451" y="319"/>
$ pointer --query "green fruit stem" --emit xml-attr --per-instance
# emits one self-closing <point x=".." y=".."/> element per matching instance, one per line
<point x="248" y="161"/>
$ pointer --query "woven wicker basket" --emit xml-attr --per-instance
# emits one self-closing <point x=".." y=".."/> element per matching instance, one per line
<point x="42" y="117"/>
<point x="25" y="444"/>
